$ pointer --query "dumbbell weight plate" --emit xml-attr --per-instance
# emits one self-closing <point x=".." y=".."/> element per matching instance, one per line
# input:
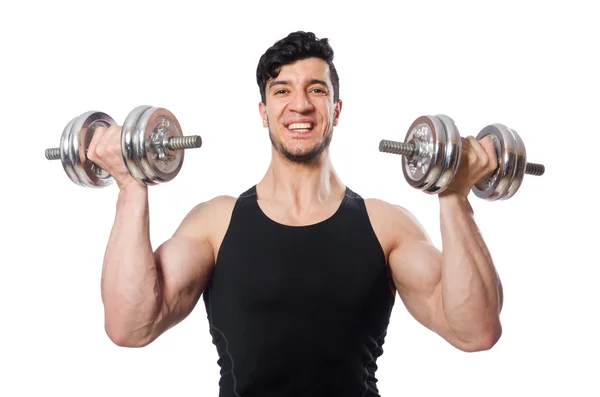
<point x="128" y="145"/>
<point x="74" y="144"/>
<point x="66" y="152"/>
<point x="160" y="163"/>
<point x="451" y="154"/>
<point x="146" y="133"/>
<point x="519" y="173"/>
<point x="511" y="157"/>
<point x="428" y="134"/>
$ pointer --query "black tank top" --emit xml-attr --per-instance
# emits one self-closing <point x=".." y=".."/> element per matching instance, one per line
<point x="299" y="310"/>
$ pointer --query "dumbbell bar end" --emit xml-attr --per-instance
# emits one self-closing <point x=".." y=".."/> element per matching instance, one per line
<point x="535" y="169"/>
<point x="53" y="154"/>
<point x="400" y="148"/>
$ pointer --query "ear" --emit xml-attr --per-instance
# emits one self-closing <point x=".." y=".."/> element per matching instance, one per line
<point x="337" y="111"/>
<point x="263" y="114"/>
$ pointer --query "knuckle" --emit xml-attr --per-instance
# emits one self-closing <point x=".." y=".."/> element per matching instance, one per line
<point x="484" y="162"/>
<point x="100" y="130"/>
<point x="472" y="157"/>
<point x="93" y="148"/>
<point x="91" y="155"/>
<point x="101" y="153"/>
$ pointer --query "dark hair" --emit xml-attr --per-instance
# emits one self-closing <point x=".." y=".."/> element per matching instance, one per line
<point x="296" y="46"/>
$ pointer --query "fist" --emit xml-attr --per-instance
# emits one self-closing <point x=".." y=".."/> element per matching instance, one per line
<point x="105" y="151"/>
<point x="478" y="160"/>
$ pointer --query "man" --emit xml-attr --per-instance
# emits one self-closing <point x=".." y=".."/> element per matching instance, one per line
<point x="299" y="273"/>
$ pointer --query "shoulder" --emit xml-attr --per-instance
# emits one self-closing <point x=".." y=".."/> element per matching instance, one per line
<point x="207" y="222"/>
<point x="382" y="210"/>
<point x="217" y="206"/>
<point x="214" y="206"/>
<point x="208" y="216"/>
<point x="394" y="223"/>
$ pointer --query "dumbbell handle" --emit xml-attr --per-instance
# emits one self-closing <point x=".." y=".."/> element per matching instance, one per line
<point x="174" y="143"/>
<point x="411" y="151"/>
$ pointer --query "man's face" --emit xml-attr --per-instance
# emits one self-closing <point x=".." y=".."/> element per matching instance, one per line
<point x="299" y="110"/>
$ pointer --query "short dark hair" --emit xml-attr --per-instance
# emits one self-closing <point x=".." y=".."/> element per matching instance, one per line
<point x="296" y="46"/>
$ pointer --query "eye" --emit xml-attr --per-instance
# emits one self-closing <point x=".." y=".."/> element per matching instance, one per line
<point x="319" y="91"/>
<point x="279" y="92"/>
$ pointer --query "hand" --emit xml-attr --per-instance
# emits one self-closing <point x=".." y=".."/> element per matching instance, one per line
<point x="478" y="160"/>
<point x="105" y="152"/>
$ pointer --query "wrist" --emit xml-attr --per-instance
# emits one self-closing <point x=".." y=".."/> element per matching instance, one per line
<point x="451" y="199"/>
<point x="132" y="192"/>
<point x="132" y="186"/>
<point x="451" y="195"/>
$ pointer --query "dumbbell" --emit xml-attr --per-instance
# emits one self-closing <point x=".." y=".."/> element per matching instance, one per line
<point x="152" y="146"/>
<point x="432" y="150"/>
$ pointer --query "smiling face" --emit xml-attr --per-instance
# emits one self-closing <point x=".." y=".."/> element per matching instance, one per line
<point x="300" y="111"/>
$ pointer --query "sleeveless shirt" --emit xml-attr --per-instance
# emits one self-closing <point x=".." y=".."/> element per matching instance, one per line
<point x="299" y="310"/>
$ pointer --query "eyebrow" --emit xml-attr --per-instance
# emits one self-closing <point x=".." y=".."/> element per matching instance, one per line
<point x="285" y="82"/>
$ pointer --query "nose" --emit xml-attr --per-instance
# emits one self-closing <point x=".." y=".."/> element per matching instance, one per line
<point x="301" y="103"/>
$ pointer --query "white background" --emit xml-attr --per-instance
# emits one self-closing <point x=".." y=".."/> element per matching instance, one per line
<point x="530" y="65"/>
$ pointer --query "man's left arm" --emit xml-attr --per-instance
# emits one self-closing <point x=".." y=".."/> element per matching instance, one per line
<point x="457" y="292"/>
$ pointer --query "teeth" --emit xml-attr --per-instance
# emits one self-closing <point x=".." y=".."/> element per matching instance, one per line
<point x="300" y="126"/>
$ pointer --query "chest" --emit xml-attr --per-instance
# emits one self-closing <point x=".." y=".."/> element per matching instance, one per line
<point x="301" y="270"/>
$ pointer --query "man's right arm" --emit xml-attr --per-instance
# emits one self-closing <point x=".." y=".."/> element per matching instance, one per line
<point x="144" y="292"/>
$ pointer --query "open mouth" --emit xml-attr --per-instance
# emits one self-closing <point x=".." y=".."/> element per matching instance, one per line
<point x="300" y="128"/>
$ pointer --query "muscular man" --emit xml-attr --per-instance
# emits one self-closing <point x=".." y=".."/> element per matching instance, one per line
<point x="299" y="273"/>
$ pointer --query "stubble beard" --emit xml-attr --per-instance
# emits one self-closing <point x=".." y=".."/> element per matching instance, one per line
<point x="303" y="158"/>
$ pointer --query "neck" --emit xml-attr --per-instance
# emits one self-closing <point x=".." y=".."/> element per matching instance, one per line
<point x="301" y="185"/>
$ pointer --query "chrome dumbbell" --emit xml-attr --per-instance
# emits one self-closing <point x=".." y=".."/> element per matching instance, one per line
<point x="152" y="145"/>
<point x="431" y="155"/>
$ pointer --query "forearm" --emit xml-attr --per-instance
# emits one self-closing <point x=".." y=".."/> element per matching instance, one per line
<point x="130" y="287"/>
<point x="471" y="298"/>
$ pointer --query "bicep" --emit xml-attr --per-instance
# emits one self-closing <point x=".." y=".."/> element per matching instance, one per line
<point x="417" y="273"/>
<point x="184" y="264"/>
<point x="416" y="267"/>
